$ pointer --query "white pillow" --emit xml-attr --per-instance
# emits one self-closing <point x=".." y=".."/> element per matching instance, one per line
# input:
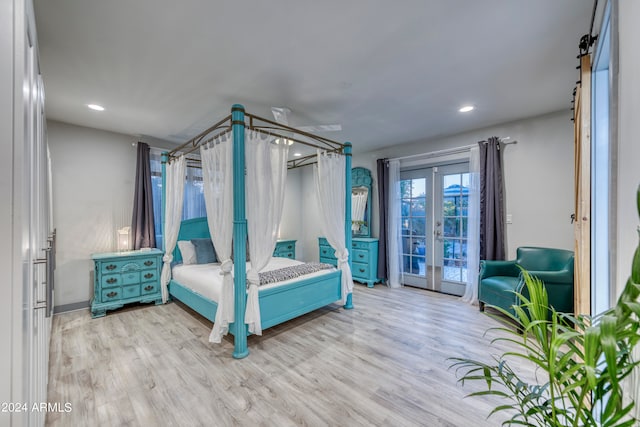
<point x="188" y="252"/>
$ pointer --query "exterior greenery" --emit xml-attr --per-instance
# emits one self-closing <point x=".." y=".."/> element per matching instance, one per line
<point x="584" y="360"/>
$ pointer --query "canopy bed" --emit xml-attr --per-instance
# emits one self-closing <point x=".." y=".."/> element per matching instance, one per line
<point x="238" y="285"/>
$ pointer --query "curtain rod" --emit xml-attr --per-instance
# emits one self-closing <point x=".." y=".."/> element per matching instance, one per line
<point x="448" y="151"/>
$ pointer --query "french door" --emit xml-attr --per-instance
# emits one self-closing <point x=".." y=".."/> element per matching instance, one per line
<point x="434" y="205"/>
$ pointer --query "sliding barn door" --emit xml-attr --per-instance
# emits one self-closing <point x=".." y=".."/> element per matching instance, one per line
<point x="27" y="249"/>
<point x="582" y="224"/>
<point x="38" y="235"/>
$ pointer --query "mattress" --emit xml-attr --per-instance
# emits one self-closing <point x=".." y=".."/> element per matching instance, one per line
<point x="206" y="280"/>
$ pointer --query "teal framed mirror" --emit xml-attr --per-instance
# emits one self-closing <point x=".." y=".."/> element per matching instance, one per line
<point x="361" y="202"/>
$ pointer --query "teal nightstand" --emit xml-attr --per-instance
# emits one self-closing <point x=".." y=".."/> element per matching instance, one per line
<point x="364" y="258"/>
<point x="285" y="249"/>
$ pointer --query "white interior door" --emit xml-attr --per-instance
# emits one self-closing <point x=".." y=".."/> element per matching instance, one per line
<point x="434" y="203"/>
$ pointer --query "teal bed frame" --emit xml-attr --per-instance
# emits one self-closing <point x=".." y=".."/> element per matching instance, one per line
<point x="277" y="304"/>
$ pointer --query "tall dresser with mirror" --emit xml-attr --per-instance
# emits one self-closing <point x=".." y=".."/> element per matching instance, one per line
<point x="364" y="248"/>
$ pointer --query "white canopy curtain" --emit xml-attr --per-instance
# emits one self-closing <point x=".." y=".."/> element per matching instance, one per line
<point x="394" y="232"/>
<point x="330" y="189"/>
<point x="473" y="228"/>
<point x="217" y="180"/>
<point x="266" y="164"/>
<point x="173" y="215"/>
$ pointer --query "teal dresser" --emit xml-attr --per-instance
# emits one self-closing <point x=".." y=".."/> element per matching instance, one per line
<point x="285" y="249"/>
<point x="364" y="258"/>
<point x="125" y="277"/>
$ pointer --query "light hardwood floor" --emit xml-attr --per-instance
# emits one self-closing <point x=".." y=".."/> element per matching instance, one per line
<point x="383" y="363"/>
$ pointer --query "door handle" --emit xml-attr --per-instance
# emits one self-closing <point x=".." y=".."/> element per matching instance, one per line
<point x="47" y="304"/>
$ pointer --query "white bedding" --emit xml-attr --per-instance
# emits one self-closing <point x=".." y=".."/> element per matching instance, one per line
<point x="205" y="279"/>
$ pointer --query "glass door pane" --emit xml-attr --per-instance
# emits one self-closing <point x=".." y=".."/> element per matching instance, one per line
<point x="451" y="226"/>
<point x="415" y="187"/>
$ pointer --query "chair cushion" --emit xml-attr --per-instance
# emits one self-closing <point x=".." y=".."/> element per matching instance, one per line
<point x="499" y="291"/>
<point x="501" y="284"/>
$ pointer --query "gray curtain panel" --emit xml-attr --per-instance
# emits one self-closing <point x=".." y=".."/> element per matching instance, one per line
<point x="142" y="225"/>
<point x="491" y="201"/>
<point x="383" y="197"/>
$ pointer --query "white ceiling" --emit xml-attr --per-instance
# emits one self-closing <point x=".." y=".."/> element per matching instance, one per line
<point x="388" y="71"/>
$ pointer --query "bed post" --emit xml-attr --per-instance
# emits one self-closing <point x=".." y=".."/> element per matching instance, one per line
<point x="164" y="159"/>
<point x="347" y="213"/>
<point x="239" y="329"/>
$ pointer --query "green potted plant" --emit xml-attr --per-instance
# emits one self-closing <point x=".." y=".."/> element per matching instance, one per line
<point x="581" y="360"/>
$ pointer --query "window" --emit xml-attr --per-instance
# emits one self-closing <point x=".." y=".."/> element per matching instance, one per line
<point x="455" y="205"/>
<point x="414" y="225"/>
<point x="603" y="147"/>
<point x="193" y="206"/>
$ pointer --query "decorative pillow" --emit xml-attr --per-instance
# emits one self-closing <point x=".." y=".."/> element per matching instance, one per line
<point x="205" y="253"/>
<point x="188" y="252"/>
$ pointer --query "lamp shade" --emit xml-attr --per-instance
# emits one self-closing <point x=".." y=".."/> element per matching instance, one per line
<point x="123" y="238"/>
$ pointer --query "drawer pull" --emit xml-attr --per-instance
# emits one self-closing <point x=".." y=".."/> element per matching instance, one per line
<point x="112" y="294"/>
<point x="361" y="270"/>
<point x="148" y="275"/>
<point x="148" y="263"/>
<point x="111" y="267"/>
<point x="289" y="247"/>
<point x="361" y="256"/>
<point x="112" y="280"/>
<point x="148" y="288"/>
<point x="354" y="245"/>
<point x="290" y="255"/>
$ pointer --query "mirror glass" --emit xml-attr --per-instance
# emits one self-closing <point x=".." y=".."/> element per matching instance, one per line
<point x="361" y="202"/>
<point x="359" y="197"/>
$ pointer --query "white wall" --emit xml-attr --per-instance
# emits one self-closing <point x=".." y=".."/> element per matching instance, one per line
<point x="93" y="175"/>
<point x="538" y="173"/>
<point x="628" y="174"/>
<point x="292" y="220"/>
<point x="311" y="214"/>
<point x="299" y="216"/>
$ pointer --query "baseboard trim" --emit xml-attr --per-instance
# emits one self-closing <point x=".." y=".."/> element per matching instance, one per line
<point x="65" y="308"/>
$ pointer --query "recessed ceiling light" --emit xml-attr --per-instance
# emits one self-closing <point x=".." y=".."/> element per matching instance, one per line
<point x="297" y="154"/>
<point x="96" y="107"/>
<point x="466" y="108"/>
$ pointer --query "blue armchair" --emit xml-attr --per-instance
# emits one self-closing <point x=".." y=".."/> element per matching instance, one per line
<point x="499" y="279"/>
